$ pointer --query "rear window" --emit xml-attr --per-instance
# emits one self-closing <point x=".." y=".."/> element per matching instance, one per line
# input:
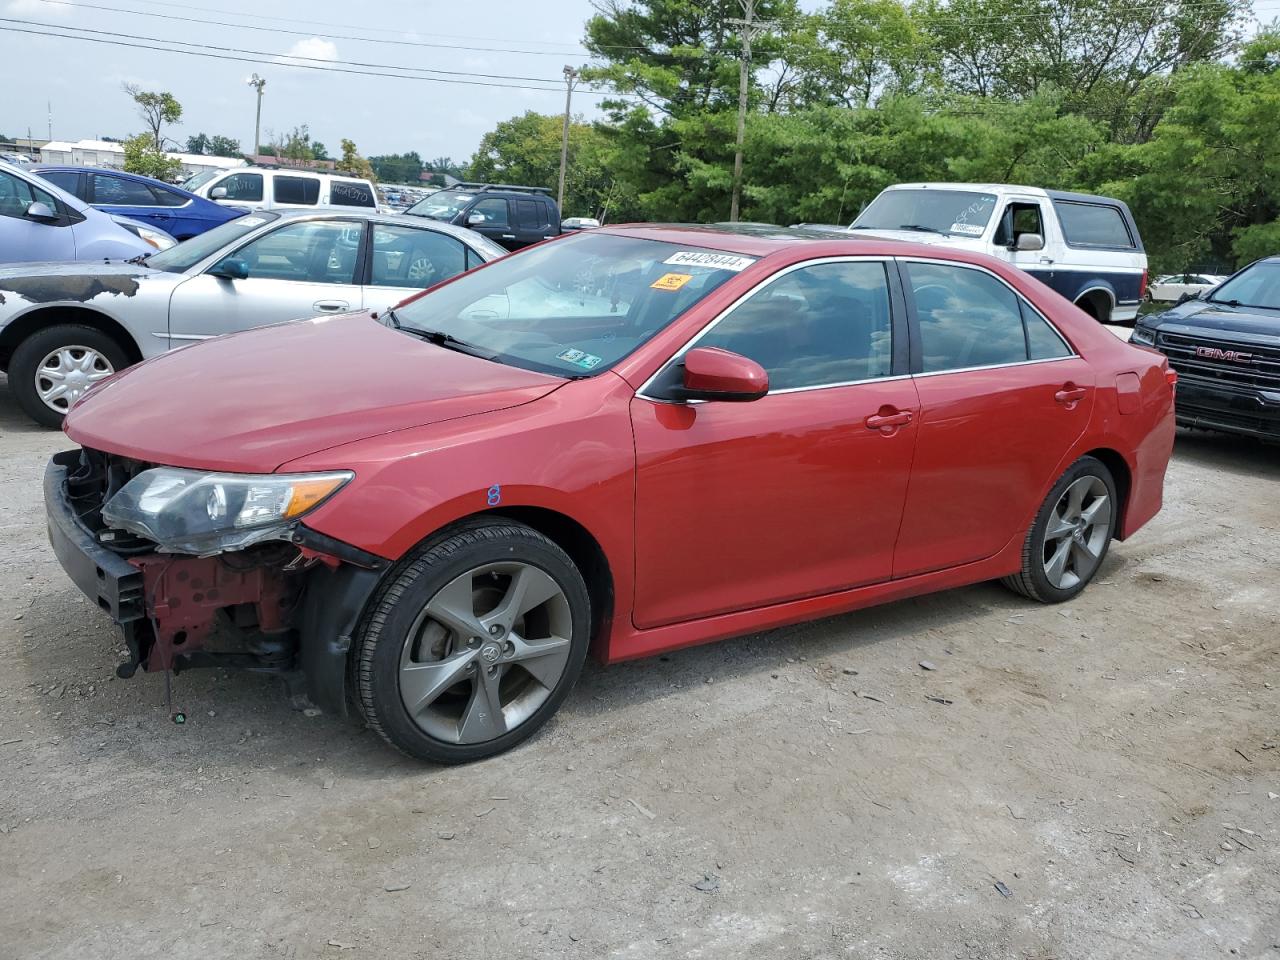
<point x="65" y="179"/>
<point x="303" y="190"/>
<point x="1093" y="225"/>
<point x="351" y="193"/>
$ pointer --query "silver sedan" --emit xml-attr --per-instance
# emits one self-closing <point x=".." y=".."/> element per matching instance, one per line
<point x="64" y="326"/>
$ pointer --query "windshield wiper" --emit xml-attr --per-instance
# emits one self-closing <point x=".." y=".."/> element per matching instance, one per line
<point x="441" y="339"/>
<point x="919" y="228"/>
<point x="140" y="259"/>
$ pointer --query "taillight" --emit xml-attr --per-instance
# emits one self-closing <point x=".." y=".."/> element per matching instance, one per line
<point x="1142" y="286"/>
<point x="1171" y="378"/>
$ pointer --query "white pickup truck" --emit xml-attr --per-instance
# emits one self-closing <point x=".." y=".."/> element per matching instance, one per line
<point x="1085" y="247"/>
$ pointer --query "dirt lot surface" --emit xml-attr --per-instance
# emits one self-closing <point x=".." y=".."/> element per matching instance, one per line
<point x="1089" y="781"/>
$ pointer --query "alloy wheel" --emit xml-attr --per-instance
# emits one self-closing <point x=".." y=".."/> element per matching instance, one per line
<point x="1077" y="533"/>
<point x="67" y="372"/>
<point x="486" y="652"/>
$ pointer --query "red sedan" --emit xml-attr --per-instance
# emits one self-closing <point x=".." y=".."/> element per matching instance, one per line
<point x="629" y="440"/>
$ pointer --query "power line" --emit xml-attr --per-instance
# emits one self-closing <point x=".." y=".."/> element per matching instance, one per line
<point x="284" y="56"/>
<point x="276" y="61"/>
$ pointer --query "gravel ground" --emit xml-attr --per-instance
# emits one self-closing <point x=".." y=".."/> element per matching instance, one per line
<point x="1088" y="781"/>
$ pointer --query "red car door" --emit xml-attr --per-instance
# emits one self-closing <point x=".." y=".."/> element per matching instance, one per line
<point x="798" y="493"/>
<point x="1002" y="399"/>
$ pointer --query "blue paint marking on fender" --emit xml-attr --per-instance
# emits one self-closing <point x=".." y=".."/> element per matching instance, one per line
<point x="494" y="495"/>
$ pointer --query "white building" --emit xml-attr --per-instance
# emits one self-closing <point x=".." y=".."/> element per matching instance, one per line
<point x="108" y="153"/>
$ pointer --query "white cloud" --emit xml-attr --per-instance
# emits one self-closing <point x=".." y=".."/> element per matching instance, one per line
<point x="40" y="8"/>
<point x="313" y="48"/>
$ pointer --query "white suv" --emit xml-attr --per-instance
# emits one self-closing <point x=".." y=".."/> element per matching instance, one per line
<point x="259" y="188"/>
<point x="1085" y="247"/>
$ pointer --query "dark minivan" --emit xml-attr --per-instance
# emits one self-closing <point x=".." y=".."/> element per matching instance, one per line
<point x="509" y="215"/>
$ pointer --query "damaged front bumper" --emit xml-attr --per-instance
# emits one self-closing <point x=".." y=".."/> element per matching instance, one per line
<point x="284" y="607"/>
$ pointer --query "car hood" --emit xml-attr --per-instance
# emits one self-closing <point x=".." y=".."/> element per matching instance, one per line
<point x="253" y="401"/>
<point x="78" y="282"/>
<point x="1250" y="324"/>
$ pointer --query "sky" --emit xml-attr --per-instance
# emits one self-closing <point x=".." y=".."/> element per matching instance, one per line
<point x="82" y="80"/>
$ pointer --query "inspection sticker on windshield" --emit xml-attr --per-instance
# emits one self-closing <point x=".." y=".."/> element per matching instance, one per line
<point x="969" y="229"/>
<point x="671" y="281"/>
<point x="705" y="258"/>
<point x="579" y="358"/>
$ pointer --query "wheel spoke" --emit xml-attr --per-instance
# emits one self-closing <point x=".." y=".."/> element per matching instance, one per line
<point x="454" y="607"/>
<point x="1056" y="568"/>
<point x="422" y="683"/>
<point x="543" y="659"/>
<point x="529" y="589"/>
<point x="1075" y="498"/>
<point x="1083" y="558"/>
<point x="483" y="718"/>
<point x="1058" y="527"/>
<point x="1098" y="512"/>
<point x="56" y="374"/>
<point x="55" y="392"/>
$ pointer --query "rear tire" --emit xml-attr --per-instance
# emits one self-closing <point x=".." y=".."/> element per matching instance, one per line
<point x="1070" y="535"/>
<point x="474" y="644"/>
<point x="30" y="370"/>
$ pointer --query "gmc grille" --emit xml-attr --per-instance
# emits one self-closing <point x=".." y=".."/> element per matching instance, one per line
<point x="1262" y="370"/>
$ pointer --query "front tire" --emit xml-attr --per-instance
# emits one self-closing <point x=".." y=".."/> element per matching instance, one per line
<point x="474" y="644"/>
<point x="53" y="367"/>
<point x="1070" y="536"/>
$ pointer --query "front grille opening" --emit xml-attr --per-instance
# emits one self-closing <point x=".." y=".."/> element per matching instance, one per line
<point x="1261" y="370"/>
<point x="90" y="484"/>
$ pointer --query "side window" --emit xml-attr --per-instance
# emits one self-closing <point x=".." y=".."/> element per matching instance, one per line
<point x="243" y="186"/>
<point x="1017" y="219"/>
<point x="494" y="210"/>
<point x="967" y="318"/>
<point x="1043" y="342"/>
<point x="410" y="257"/>
<point x="823" y="324"/>
<point x="66" y="179"/>
<point x="117" y="191"/>
<point x="317" y="251"/>
<point x="528" y="214"/>
<point x="170" y="198"/>
<point x="1093" y="225"/>
<point x="300" y="190"/>
<point x="16" y="195"/>
<point x="350" y="193"/>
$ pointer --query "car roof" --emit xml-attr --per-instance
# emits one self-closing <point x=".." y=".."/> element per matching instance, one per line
<point x="292" y="172"/>
<point x="365" y="213"/>
<point x="759" y="240"/>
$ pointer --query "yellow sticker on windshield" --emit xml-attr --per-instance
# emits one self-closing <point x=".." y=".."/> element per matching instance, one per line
<point x="671" y="281"/>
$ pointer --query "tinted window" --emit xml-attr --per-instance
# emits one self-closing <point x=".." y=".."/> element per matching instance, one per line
<point x="1043" y="342"/>
<point x="967" y="318"/>
<point x="242" y="186"/>
<point x="406" y="257"/>
<point x="317" y="251"/>
<point x="117" y="191"/>
<point x="494" y="211"/>
<point x="169" y="198"/>
<point x="301" y="190"/>
<point x="531" y="215"/>
<point x="828" y="323"/>
<point x="1093" y="225"/>
<point x="66" y="179"/>
<point x="16" y="195"/>
<point x="348" y="193"/>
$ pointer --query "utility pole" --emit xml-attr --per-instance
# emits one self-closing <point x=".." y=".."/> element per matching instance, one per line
<point x="750" y="28"/>
<point x="259" y="82"/>
<point x="570" y="78"/>
<point x="49" y="104"/>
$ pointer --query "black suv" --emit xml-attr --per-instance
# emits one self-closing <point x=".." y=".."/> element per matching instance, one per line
<point x="1226" y="349"/>
<point x="509" y="215"/>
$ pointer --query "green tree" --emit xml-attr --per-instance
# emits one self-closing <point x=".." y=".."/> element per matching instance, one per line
<point x="198" y="143"/>
<point x="141" y="156"/>
<point x="397" y="167"/>
<point x="353" y="163"/>
<point x="156" y="109"/>
<point x="318" y="151"/>
<point x="220" y="146"/>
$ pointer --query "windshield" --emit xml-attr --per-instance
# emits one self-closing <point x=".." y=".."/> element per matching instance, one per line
<point x="444" y="205"/>
<point x="190" y="252"/>
<point x="573" y="307"/>
<point x="1255" y="286"/>
<point x="199" y="179"/>
<point x="962" y="213"/>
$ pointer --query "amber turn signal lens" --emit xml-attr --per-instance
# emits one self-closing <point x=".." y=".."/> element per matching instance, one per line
<point x="307" y="493"/>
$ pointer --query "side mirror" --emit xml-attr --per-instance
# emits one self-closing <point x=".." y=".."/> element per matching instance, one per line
<point x="230" y="268"/>
<point x="475" y="218"/>
<point x="36" y="210"/>
<point x="218" y="193"/>
<point x="1029" y="241"/>
<point x="710" y="373"/>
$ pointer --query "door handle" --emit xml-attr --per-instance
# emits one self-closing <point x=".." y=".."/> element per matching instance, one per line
<point x="331" y="306"/>
<point x="1070" y="394"/>
<point x="1046" y="260"/>
<point x="888" y="420"/>
<point x="508" y="236"/>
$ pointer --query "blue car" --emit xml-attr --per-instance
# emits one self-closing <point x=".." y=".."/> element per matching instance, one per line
<point x="168" y="208"/>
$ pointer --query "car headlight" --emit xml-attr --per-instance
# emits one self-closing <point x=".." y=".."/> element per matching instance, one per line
<point x="191" y="511"/>
<point x="1143" y="335"/>
<point x="156" y="238"/>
